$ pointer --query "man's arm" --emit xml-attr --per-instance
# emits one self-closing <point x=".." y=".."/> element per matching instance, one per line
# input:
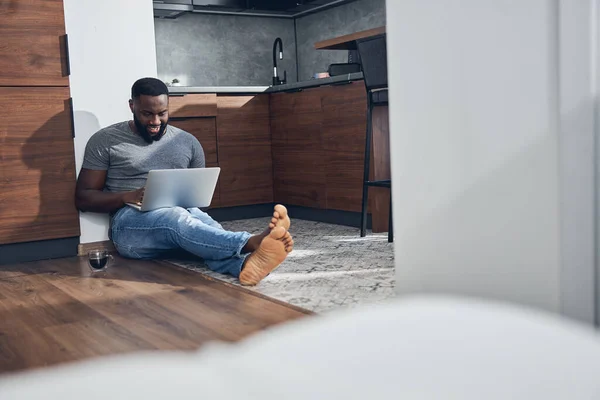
<point x="89" y="194"/>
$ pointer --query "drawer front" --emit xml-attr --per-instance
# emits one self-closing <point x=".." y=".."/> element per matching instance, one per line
<point x="193" y="105"/>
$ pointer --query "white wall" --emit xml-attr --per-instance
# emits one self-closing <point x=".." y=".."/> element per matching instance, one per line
<point x="111" y="45"/>
<point x="487" y="141"/>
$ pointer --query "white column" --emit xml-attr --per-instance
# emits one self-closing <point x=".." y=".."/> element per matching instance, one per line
<point x="492" y="150"/>
<point x="111" y="45"/>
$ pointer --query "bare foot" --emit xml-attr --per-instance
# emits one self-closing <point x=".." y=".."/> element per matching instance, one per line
<point x="271" y="252"/>
<point x="280" y="218"/>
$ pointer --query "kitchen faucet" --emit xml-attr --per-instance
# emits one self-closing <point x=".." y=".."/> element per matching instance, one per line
<point x="276" y="80"/>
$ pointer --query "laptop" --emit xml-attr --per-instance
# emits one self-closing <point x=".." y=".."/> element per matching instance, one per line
<point x="187" y="187"/>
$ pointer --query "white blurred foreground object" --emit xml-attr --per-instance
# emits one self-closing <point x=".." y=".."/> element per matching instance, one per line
<point x="419" y="348"/>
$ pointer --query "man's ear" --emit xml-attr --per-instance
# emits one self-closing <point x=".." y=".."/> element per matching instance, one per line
<point x="131" y="105"/>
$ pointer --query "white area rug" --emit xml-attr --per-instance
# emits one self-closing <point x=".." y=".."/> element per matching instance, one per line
<point x="331" y="266"/>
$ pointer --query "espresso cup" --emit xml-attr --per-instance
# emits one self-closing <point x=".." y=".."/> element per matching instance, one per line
<point x="99" y="260"/>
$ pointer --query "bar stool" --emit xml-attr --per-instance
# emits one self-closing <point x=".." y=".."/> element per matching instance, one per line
<point x="373" y="58"/>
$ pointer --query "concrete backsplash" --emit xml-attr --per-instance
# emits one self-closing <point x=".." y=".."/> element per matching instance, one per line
<point x="348" y="18"/>
<point x="223" y="50"/>
<point x="231" y="50"/>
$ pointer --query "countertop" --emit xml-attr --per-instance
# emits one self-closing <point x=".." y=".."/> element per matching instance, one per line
<point x="289" y="87"/>
<point x="348" y="42"/>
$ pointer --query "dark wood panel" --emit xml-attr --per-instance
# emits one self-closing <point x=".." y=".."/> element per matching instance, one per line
<point x="380" y="156"/>
<point x="58" y="311"/>
<point x="37" y="166"/>
<point x="296" y="118"/>
<point x="243" y="120"/>
<point x="246" y="175"/>
<point x="344" y="180"/>
<point x="347" y="42"/>
<point x="299" y="177"/>
<point x="343" y="129"/>
<point x="193" y="105"/>
<point x="344" y="118"/>
<point x="205" y="130"/>
<point x="244" y="150"/>
<point x="298" y="157"/>
<point x="32" y="52"/>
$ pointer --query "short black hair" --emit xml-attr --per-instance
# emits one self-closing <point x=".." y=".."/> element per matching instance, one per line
<point x="148" y="87"/>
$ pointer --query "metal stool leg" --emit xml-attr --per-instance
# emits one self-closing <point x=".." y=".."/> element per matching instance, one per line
<point x="365" y="195"/>
<point x="391" y="221"/>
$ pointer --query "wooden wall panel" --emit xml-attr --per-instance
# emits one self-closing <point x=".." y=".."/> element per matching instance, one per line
<point x="37" y="165"/>
<point x="32" y="45"/>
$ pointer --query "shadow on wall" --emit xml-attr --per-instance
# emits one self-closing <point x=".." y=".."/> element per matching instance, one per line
<point x="94" y="226"/>
<point x="48" y="211"/>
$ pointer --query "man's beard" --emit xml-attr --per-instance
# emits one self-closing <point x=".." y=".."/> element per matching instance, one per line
<point x="143" y="131"/>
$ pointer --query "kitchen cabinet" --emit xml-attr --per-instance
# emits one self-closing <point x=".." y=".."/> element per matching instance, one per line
<point x="318" y="146"/>
<point x="303" y="148"/>
<point x="344" y="110"/>
<point x="37" y="160"/>
<point x="37" y="165"/>
<point x="299" y="161"/>
<point x="33" y="50"/>
<point x="244" y="150"/>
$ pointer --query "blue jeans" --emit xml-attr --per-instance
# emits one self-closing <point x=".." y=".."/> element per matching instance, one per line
<point x="153" y="234"/>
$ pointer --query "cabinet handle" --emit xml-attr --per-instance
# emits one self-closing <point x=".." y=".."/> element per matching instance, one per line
<point x="65" y="43"/>
<point x="72" y="117"/>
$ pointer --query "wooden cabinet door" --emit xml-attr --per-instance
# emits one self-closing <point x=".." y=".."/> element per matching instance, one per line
<point x="32" y="44"/>
<point x="244" y="150"/>
<point x="205" y="130"/>
<point x="344" y="133"/>
<point x="298" y="157"/>
<point x="37" y="165"/>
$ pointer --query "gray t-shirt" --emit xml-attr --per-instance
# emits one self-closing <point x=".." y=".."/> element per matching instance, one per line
<point x="128" y="158"/>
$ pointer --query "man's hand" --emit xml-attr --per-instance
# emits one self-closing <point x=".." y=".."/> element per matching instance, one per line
<point x="134" y="197"/>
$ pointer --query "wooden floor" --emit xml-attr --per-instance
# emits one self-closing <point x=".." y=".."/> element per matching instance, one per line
<point x="56" y="311"/>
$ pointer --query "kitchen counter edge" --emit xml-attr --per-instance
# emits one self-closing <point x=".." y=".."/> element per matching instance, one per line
<point x="289" y="87"/>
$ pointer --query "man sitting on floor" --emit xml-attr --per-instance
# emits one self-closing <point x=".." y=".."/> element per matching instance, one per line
<point x="116" y="163"/>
